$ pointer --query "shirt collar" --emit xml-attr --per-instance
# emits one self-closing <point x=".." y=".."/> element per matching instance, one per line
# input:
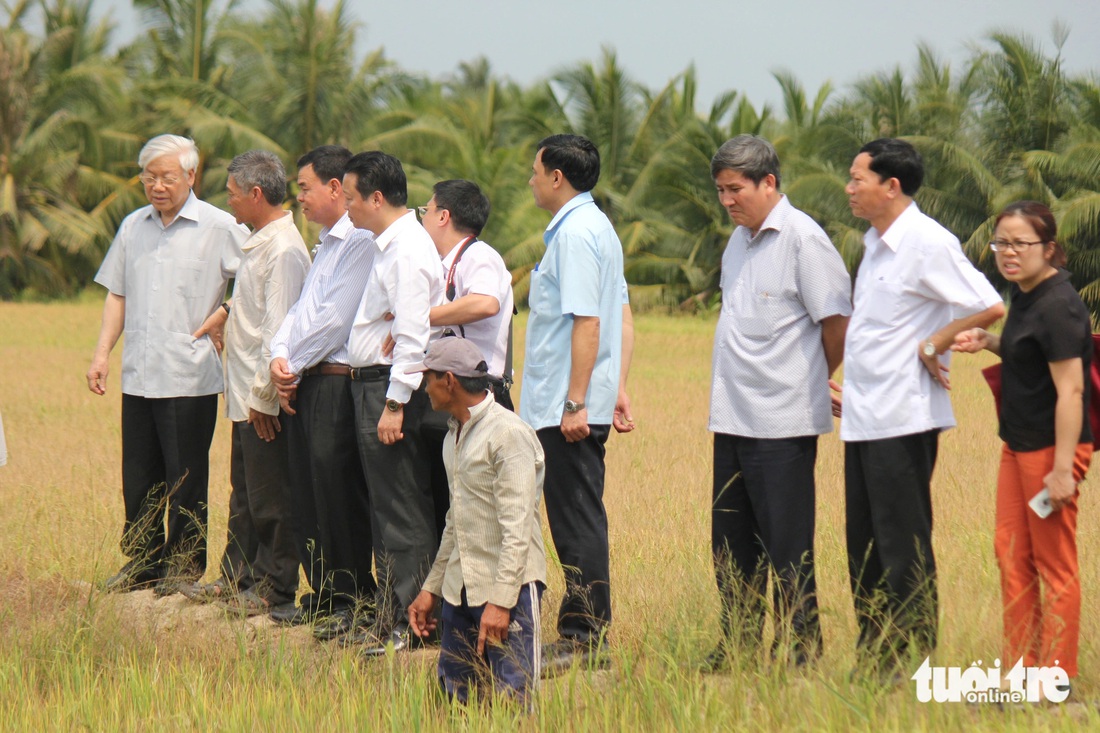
<point x="340" y="230"/>
<point x="188" y="211"/>
<point x="899" y="228"/>
<point x="774" y="221"/>
<point x="450" y="258"/>
<point x="390" y="233"/>
<point x="269" y="231"/>
<point x="577" y="201"/>
<point x="477" y="412"/>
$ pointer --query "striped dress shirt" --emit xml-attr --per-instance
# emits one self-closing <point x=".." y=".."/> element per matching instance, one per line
<point x="492" y="544"/>
<point x="316" y="328"/>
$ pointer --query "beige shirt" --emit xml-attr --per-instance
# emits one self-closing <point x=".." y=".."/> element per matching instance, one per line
<point x="492" y="544"/>
<point x="273" y="267"/>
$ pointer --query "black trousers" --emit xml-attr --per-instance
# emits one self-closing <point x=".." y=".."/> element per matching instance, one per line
<point x="889" y="527"/>
<point x="331" y="507"/>
<point x="433" y="431"/>
<point x="260" y="552"/>
<point x="763" y="520"/>
<point x="402" y="511"/>
<point x="165" y="482"/>
<point x="578" y="524"/>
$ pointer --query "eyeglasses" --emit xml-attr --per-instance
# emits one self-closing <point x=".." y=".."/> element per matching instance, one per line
<point x="150" y="180"/>
<point x="1003" y="245"/>
<point x="423" y="210"/>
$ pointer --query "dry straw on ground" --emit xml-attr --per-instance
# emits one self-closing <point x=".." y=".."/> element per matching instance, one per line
<point x="71" y="658"/>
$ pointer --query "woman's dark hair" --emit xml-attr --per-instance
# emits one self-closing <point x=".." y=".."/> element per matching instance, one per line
<point x="1041" y="219"/>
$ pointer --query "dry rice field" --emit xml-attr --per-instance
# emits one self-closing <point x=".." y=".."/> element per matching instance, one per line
<point x="72" y="658"/>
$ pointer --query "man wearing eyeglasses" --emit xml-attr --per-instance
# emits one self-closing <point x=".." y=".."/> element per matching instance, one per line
<point x="166" y="272"/>
<point x="478" y="305"/>
<point x="915" y="290"/>
<point x="478" y="284"/>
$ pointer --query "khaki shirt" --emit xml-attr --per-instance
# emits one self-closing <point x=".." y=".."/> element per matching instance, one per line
<point x="269" y="281"/>
<point x="492" y="544"/>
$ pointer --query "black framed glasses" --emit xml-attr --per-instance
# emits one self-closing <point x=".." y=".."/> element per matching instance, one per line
<point x="1003" y="245"/>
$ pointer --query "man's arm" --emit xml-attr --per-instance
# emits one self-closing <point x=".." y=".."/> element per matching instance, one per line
<point x="515" y="497"/>
<point x="585" y="345"/>
<point x="214" y="327"/>
<point x="410" y="301"/>
<point x="114" y="320"/>
<point x="421" y="614"/>
<point x="833" y="330"/>
<point x="467" y="309"/>
<point x="943" y="339"/>
<point x="623" y="419"/>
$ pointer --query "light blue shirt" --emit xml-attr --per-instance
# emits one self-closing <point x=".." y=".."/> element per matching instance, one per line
<point x="581" y="274"/>
<point x="316" y="328"/>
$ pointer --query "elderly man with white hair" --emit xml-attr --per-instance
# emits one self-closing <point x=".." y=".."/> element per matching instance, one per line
<point x="166" y="272"/>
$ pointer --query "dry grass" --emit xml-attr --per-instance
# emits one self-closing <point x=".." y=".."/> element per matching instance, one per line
<point x="71" y="658"/>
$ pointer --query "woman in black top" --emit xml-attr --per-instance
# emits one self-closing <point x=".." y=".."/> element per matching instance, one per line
<point x="1046" y="352"/>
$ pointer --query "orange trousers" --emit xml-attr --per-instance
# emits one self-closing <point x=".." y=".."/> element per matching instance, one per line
<point x="1040" y="584"/>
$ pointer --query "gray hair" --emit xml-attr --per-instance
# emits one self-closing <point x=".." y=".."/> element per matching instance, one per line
<point x="260" y="168"/>
<point x="161" y="145"/>
<point x="751" y="156"/>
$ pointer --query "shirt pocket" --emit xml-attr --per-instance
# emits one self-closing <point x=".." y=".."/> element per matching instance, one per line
<point x="764" y="313"/>
<point x="191" y="294"/>
<point x="883" y="302"/>
<point x="189" y="277"/>
<point x="544" y="297"/>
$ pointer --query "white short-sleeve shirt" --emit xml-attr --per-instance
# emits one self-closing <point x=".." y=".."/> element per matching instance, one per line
<point x="482" y="271"/>
<point x="914" y="279"/>
<point x="172" y="277"/>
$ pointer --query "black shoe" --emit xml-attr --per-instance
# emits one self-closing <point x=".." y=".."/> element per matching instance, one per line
<point x="564" y="653"/>
<point x="360" y="636"/>
<point x="291" y="614"/>
<point x="399" y="640"/>
<point x="128" y="579"/>
<point x="333" y="627"/>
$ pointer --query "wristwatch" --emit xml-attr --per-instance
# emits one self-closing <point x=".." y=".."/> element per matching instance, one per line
<point x="929" y="348"/>
<point x="394" y="405"/>
<point x="571" y="406"/>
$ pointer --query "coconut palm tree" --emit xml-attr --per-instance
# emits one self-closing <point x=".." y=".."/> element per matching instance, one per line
<point x="53" y="148"/>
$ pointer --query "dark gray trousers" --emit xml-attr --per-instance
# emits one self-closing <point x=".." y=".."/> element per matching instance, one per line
<point x="260" y="552"/>
<point x="762" y="523"/>
<point x="402" y="511"/>
<point x="330" y="500"/>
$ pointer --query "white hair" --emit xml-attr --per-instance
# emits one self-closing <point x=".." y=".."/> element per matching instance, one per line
<point x="161" y="145"/>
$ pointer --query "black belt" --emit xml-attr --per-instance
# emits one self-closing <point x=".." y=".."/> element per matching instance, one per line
<point x="370" y="373"/>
